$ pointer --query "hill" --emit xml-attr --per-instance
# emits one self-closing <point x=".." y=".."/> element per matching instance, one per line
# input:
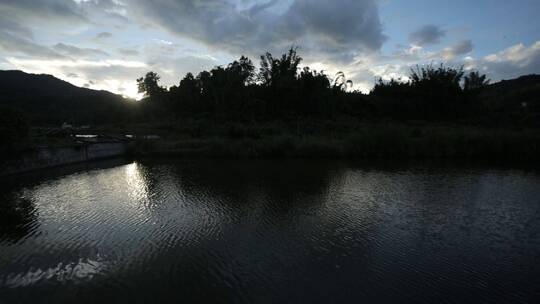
<point x="47" y="100"/>
<point x="516" y="84"/>
<point x="517" y="99"/>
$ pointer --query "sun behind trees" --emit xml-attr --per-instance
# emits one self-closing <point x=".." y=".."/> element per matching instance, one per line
<point x="281" y="90"/>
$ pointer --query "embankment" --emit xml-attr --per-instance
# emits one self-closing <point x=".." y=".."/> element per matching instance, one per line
<point x="48" y="156"/>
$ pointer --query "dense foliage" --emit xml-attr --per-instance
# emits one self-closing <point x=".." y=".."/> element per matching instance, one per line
<point x="13" y="130"/>
<point x="280" y="89"/>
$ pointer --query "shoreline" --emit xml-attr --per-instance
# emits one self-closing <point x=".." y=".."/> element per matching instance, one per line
<point x="46" y="157"/>
<point x="341" y="140"/>
<point x="176" y="156"/>
<point x="352" y="142"/>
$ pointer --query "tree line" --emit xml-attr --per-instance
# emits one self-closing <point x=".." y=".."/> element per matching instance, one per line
<point x="280" y="89"/>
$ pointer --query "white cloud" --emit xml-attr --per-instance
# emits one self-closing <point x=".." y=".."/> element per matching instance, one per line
<point x="512" y="62"/>
<point x="519" y="55"/>
<point x="165" y="42"/>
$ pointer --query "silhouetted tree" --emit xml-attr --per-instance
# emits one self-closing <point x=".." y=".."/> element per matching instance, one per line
<point x="157" y="104"/>
<point x="242" y="71"/>
<point x="392" y="88"/>
<point x="149" y="85"/>
<point x="280" y="91"/>
<point x="221" y="91"/>
<point x="186" y="96"/>
<point x="438" y="90"/>
<point x="276" y="72"/>
<point x="314" y="93"/>
<point x="431" y="93"/>
<point x="475" y="81"/>
<point x="13" y="129"/>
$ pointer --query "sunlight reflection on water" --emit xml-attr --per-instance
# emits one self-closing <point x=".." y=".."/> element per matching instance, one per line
<point x="245" y="231"/>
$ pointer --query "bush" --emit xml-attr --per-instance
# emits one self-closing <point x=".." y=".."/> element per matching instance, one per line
<point x="14" y="130"/>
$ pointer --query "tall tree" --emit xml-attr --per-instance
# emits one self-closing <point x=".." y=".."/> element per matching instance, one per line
<point x="149" y="85"/>
<point x="274" y="72"/>
<point x="475" y="81"/>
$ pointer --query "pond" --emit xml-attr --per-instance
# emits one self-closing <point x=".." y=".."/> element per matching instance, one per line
<point x="271" y="231"/>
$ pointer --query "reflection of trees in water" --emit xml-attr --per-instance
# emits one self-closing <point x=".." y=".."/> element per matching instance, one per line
<point x="285" y="184"/>
<point x="240" y="215"/>
<point x="18" y="218"/>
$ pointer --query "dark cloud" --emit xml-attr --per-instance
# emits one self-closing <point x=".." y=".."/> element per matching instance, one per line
<point x="356" y="25"/>
<point x="17" y="17"/>
<point x="20" y="45"/>
<point x="13" y="28"/>
<point x="331" y="30"/>
<point x="73" y="51"/>
<point x="103" y="35"/>
<point x="104" y="11"/>
<point x="340" y="28"/>
<point x="461" y="48"/>
<point x="428" y="34"/>
<point x="259" y="7"/>
<point x="51" y="10"/>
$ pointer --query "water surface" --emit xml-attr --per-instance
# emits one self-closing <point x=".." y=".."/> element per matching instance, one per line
<point x="271" y="232"/>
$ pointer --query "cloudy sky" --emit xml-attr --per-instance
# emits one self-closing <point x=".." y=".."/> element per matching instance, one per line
<point x="107" y="44"/>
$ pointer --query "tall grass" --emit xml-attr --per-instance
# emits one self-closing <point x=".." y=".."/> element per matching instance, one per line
<point x="352" y="140"/>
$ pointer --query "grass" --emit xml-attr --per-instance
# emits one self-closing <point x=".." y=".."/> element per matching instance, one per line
<point x="344" y="139"/>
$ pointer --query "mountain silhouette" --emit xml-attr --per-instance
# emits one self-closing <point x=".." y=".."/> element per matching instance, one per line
<point x="48" y="100"/>
<point x="519" y="93"/>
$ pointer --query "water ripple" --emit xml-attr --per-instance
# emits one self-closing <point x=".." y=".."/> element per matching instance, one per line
<point x="272" y="231"/>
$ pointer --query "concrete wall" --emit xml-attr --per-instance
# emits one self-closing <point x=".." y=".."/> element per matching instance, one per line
<point x="45" y="157"/>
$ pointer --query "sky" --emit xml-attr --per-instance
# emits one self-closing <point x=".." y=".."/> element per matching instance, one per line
<point x="108" y="44"/>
